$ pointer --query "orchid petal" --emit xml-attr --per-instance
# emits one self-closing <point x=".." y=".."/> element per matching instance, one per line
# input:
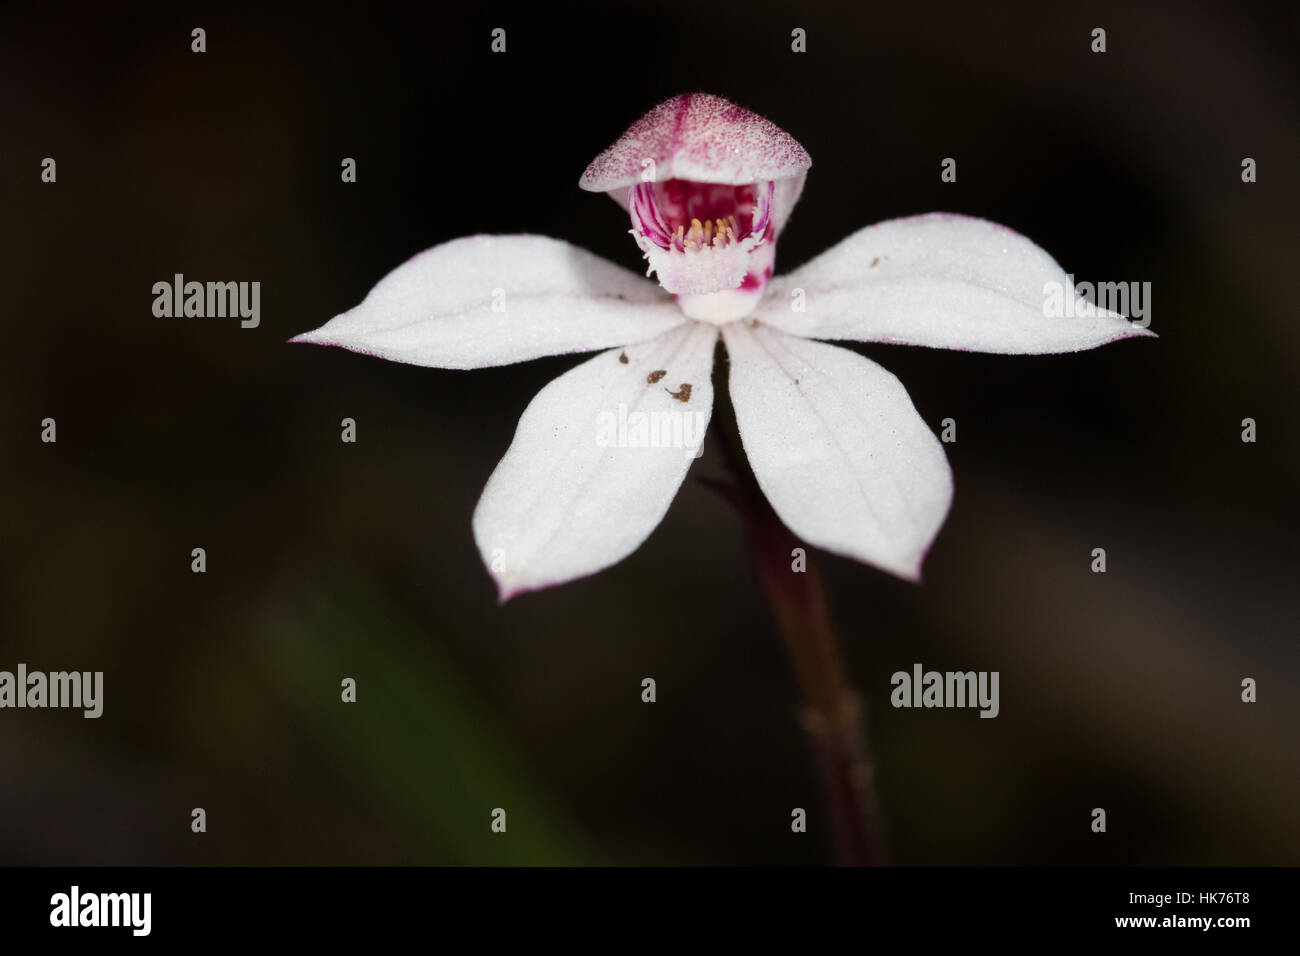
<point x="702" y="138"/>
<point x="838" y="448"/>
<point x="494" y="300"/>
<point x="942" y="281"/>
<point x="578" y="490"/>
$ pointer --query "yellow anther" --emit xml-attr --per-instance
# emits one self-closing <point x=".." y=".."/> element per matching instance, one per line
<point x="717" y="233"/>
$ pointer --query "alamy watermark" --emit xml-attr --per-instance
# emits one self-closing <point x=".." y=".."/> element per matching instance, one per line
<point x="946" y="689"/>
<point x="212" y="300"/>
<point x="77" y="909"/>
<point x="1086" y="299"/>
<point x="60" y="689"/>
<point x="656" y="429"/>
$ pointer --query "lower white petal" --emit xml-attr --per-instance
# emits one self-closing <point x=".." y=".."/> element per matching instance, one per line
<point x="944" y="281"/>
<point x="838" y="448"/>
<point x="598" y="456"/>
<point x="494" y="300"/>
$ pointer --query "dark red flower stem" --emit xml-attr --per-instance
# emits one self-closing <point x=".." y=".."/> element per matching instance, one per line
<point x="832" y="712"/>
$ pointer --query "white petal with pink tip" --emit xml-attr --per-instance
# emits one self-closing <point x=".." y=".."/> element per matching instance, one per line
<point x="566" y="502"/>
<point x="838" y="448"/>
<point x="943" y="281"/>
<point x="495" y="300"/>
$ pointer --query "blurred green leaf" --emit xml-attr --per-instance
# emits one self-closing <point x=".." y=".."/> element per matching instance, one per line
<point x="415" y="738"/>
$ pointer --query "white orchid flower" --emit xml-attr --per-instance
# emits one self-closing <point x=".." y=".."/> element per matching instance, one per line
<point x="834" y="441"/>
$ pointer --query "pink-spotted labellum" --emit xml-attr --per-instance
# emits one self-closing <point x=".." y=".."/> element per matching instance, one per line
<point x="833" y="439"/>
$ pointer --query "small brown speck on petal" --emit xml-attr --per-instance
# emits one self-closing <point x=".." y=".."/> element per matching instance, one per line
<point x="876" y="261"/>
<point x="683" y="393"/>
<point x="656" y="375"/>
<point x="622" y="357"/>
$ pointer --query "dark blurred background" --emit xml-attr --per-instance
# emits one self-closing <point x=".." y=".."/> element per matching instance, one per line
<point x="328" y="560"/>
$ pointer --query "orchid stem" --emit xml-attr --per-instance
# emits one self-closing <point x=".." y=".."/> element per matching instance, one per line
<point x="832" y="712"/>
